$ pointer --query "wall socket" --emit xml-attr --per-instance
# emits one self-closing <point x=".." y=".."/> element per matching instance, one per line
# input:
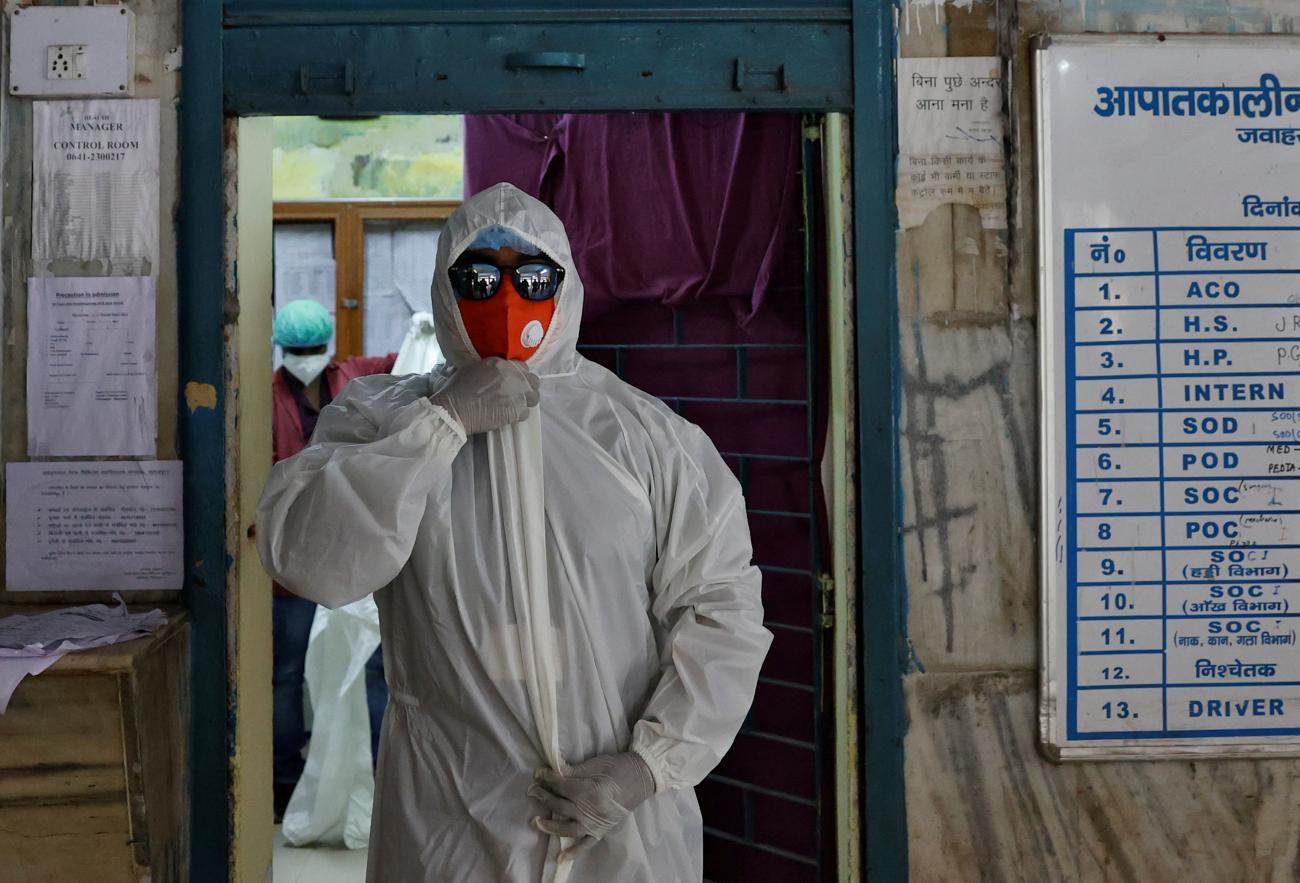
<point x="66" y="62"/>
<point x="70" y="50"/>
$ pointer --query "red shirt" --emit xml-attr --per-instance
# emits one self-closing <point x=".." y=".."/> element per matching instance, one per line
<point x="286" y="423"/>
<point x="287" y="437"/>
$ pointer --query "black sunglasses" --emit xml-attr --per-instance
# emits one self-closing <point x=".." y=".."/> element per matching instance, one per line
<point x="479" y="280"/>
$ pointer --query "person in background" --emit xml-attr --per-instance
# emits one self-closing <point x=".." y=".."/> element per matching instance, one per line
<point x="308" y="380"/>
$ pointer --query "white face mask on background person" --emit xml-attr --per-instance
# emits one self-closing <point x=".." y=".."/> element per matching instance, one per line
<point x="306" y="368"/>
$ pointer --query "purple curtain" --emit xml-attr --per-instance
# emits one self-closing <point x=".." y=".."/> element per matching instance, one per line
<point x="663" y="207"/>
<point x="686" y="230"/>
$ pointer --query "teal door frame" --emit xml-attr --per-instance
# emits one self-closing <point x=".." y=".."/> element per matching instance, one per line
<point x="779" y="54"/>
<point x="882" y="599"/>
<point x="201" y="434"/>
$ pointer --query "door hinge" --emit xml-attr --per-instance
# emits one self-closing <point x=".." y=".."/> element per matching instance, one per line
<point x="826" y="585"/>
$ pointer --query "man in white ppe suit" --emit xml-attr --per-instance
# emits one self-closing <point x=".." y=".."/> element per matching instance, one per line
<point x="572" y="625"/>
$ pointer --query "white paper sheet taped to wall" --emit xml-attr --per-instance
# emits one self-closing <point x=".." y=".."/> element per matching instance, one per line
<point x="93" y="525"/>
<point x="95" y="168"/>
<point x="950" y="138"/>
<point x="91" y="382"/>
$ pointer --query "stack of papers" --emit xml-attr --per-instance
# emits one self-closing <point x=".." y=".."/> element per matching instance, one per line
<point x="32" y="643"/>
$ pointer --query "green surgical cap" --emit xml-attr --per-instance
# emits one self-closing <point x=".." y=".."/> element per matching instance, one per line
<point x="302" y="323"/>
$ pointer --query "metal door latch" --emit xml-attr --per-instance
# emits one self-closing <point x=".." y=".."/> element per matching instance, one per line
<point x="826" y="588"/>
<point x="327" y="80"/>
<point x="574" y="61"/>
<point x="769" y="79"/>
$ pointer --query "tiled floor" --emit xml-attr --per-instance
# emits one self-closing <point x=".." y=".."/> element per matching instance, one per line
<point x="293" y="865"/>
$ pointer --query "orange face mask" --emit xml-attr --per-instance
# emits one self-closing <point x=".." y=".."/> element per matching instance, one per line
<point x="506" y="325"/>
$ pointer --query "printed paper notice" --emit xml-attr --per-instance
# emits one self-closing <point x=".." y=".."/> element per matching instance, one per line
<point x="950" y="138"/>
<point x="95" y="184"/>
<point x="91" y="385"/>
<point x="93" y="525"/>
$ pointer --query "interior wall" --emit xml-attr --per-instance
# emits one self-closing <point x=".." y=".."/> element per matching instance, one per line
<point x="982" y="803"/>
<point x="156" y="76"/>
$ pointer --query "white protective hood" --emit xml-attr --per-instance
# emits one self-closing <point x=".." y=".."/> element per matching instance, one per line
<point x="579" y="584"/>
<point x="503" y="205"/>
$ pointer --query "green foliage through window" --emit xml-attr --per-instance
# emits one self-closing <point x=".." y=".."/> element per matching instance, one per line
<point x="387" y="157"/>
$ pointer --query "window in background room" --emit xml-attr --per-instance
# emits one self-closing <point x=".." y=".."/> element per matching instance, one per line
<point x="399" y="273"/>
<point x="359" y="204"/>
<point x="304" y="265"/>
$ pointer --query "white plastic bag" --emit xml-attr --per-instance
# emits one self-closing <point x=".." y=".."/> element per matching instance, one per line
<point x="420" y="350"/>
<point x="333" y="799"/>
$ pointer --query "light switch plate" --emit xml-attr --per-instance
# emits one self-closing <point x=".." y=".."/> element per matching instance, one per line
<point x="71" y="50"/>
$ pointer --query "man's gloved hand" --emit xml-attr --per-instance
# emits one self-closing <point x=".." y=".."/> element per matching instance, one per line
<point x="593" y="799"/>
<point x="489" y="394"/>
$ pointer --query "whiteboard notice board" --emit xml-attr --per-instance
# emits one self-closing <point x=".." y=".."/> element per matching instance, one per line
<point x="1169" y="194"/>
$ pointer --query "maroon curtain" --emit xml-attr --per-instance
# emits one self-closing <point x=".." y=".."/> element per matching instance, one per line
<point x="686" y="230"/>
<point x="664" y="207"/>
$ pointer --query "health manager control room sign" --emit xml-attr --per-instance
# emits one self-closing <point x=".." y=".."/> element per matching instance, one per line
<point x="1169" y="176"/>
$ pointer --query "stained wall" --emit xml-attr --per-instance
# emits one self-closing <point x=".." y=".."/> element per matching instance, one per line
<point x="982" y="802"/>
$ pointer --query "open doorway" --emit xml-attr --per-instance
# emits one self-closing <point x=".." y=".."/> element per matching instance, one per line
<point x="358" y="208"/>
<point x="355" y="231"/>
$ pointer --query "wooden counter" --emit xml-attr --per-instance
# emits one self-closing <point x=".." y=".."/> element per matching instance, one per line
<point x="94" y="760"/>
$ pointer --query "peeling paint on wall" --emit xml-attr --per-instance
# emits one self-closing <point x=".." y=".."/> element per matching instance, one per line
<point x="982" y="803"/>
<point x="924" y="9"/>
<point x="200" y="395"/>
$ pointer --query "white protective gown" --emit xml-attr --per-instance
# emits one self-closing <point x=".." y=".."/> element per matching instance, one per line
<point x="333" y="800"/>
<point x="651" y="633"/>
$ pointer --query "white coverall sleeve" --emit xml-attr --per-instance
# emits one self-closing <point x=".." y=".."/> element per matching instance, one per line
<point x="337" y="520"/>
<point x="707" y="600"/>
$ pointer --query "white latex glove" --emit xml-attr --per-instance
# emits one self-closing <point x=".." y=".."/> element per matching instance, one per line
<point x="593" y="799"/>
<point x="489" y="394"/>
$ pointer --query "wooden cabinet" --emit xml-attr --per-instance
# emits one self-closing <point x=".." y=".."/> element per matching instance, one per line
<point x="94" y="757"/>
